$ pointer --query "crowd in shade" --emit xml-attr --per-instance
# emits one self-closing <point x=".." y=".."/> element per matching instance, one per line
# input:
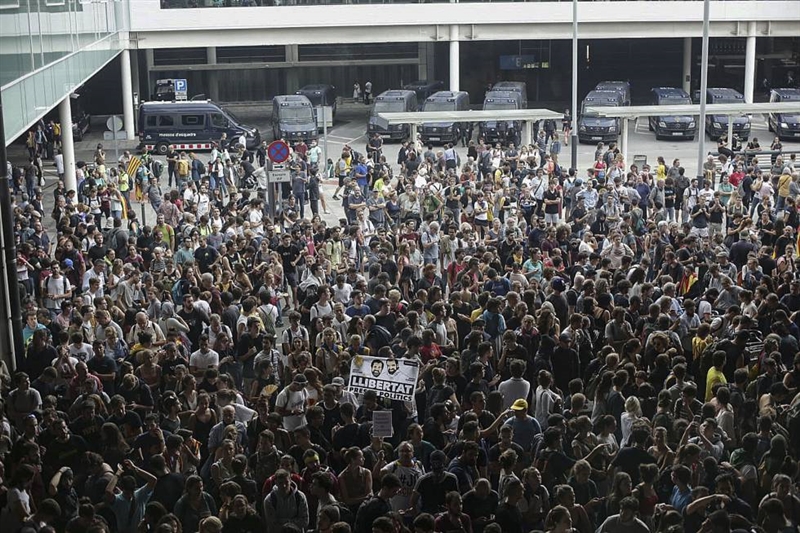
<point x="611" y="349"/>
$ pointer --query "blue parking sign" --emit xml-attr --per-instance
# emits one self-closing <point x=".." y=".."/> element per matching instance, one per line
<point x="180" y="85"/>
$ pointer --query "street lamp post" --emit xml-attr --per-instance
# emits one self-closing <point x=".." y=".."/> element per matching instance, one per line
<point x="574" y="139"/>
<point x="701" y="123"/>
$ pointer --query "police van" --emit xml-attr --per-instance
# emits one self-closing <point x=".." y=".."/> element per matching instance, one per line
<point x="785" y="125"/>
<point x="502" y="131"/>
<point x="392" y="101"/>
<point x="192" y="125"/>
<point x="423" y="89"/>
<point x="717" y="125"/>
<point x="444" y="132"/>
<point x="293" y="118"/>
<point x="622" y="87"/>
<point x="519" y="87"/>
<point x="321" y="96"/>
<point x="671" y="126"/>
<point x="593" y="127"/>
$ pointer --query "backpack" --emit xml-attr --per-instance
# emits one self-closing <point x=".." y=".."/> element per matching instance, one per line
<point x="266" y="318"/>
<point x="157" y="167"/>
<point x="493" y="325"/>
<point x="179" y="290"/>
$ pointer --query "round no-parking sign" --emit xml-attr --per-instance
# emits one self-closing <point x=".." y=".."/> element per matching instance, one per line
<point x="278" y="151"/>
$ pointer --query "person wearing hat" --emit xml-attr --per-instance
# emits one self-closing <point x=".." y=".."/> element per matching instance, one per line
<point x="292" y="402"/>
<point x="525" y="426"/>
<point x="343" y="395"/>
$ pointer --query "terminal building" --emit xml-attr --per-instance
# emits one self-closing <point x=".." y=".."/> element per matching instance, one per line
<point x="49" y="49"/>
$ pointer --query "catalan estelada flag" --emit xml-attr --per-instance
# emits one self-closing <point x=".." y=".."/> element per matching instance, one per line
<point x="133" y="168"/>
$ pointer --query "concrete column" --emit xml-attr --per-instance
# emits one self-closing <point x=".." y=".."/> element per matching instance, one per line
<point x="149" y="63"/>
<point x="136" y="86"/>
<point x="127" y="95"/>
<point x="687" y="65"/>
<point x="67" y="145"/>
<point x="455" y="53"/>
<point x="750" y="63"/>
<point x="527" y="127"/>
<point x="292" y="74"/>
<point x="624" y="139"/>
<point x="213" y="75"/>
<point x="422" y="57"/>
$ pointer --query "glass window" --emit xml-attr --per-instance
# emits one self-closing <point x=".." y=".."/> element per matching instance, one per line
<point x="151" y="121"/>
<point x="193" y="120"/>
<point x="166" y="120"/>
<point x="218" y="120"/>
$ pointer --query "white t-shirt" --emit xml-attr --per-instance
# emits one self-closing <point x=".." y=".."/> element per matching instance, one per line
<point x="83" y="352"/>
<point x="56" y="287"/>
<point x="203" y="361"/>
<point x="513" y="389"/>
<point x="292" y="400"/>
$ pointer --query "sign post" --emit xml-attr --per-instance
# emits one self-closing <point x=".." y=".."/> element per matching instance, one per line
<point x="181" y="89"/>
<point x="278" y="153"/>
<point x="114" y="125"/>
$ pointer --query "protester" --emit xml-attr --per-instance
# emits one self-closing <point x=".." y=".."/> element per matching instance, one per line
<point x="615" y="352"/>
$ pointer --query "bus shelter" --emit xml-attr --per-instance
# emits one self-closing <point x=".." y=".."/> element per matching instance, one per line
<point x="625" y="114"/>
<point x="414" y="119"/>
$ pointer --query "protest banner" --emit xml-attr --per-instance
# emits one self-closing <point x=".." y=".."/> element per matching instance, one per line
<point x="395" y="379"/>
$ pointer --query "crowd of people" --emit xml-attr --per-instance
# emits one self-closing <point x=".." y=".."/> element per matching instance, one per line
<point x="612" y="349"/>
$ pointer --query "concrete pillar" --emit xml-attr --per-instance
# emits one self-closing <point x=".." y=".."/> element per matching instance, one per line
<point x="127" y="95"/>
<point x="526" y="137"/>
<point x="292" y="74"/>
<point x="149" y="63"/>
<point x="213" y="75"/>
<point x="136" y="86"/>
<point x="67" y="145"/>
<point x="422" y="65"/>
<point x="624" y="139"/>
<point x="687" y="64"/>
<point x="455" y="53"/>
<point x="750" y="63"/>
<point x="425" y="68"/>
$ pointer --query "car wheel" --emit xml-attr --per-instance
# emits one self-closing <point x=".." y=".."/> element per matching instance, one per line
<point x="162" y="148"/>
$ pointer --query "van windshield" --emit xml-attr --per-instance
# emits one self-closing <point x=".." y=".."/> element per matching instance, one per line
<point x="440" y="106"/>
<point x="674" y="101"/>
<point x="315" y="98"/>
<point x="296" y="115"/>
<point x="383" y="106"/>
<point x="231" y="115"/>
<point x="596" y="103"/>
<point x="492" y="106"/>
<point x="725" y="100"/>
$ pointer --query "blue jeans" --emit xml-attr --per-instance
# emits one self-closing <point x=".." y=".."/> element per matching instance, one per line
<point x="300" y="200"/>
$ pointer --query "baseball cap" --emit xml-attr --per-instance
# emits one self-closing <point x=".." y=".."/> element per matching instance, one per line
<point x="559" y="285"/>
<point x="519" y="405"/>
<point x="338" y="381"/>
<point x="301" y="379"/>
<point x="68" y="263"/>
